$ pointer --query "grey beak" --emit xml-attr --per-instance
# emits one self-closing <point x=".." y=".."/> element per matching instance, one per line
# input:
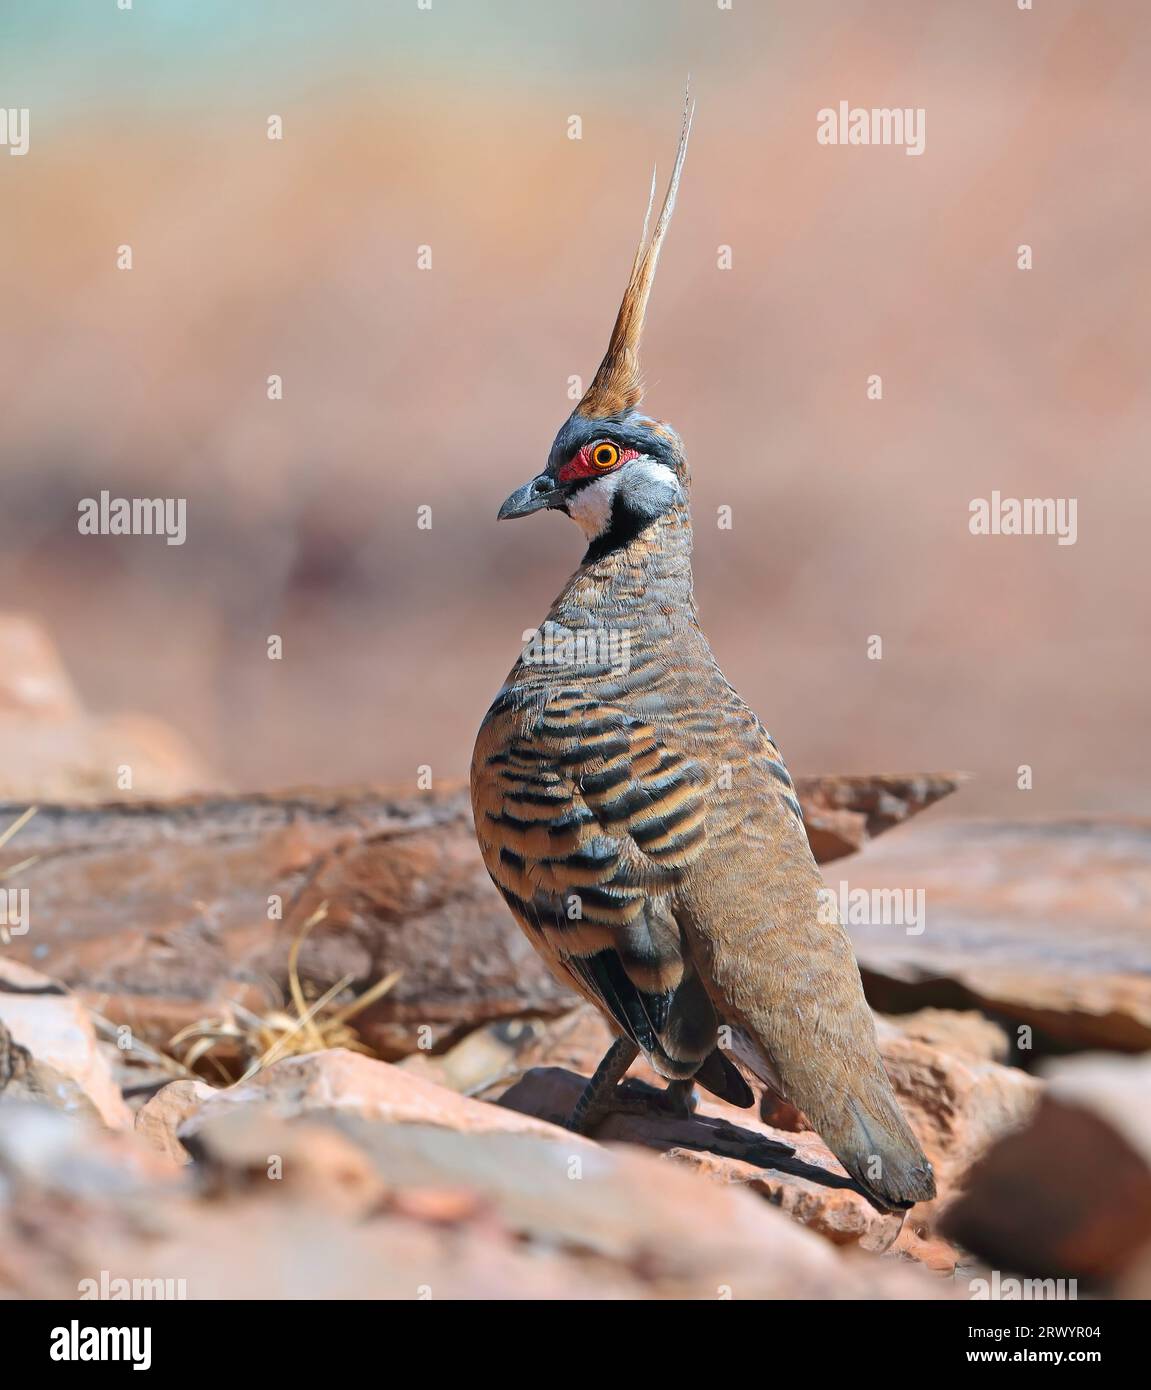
<point x="541" y="492"/>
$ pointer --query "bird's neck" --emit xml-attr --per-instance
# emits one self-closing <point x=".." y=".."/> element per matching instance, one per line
<point x="650" y="571"/>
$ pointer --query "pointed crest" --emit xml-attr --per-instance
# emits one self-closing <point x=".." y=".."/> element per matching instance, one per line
<point x="617" y="386"/>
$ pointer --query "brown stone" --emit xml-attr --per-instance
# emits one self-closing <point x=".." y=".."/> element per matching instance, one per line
<point x="842" y="814"/>
<point x="159" y="1119"/>
<point x="350" y="1083"/>
<point x="66" y="1066"/>
<point x="941" y="1063"/>
<point x="966" y="1033"/>
<point x="795" y="1172"/>
<point x="958" y="1103"/>
<point x="1069" y="1195"/>
<point x="245" y="1147"/>
<point x="379" y="1210"/>
<point x="1043" y="926"/>
<point x="167" y="905"/>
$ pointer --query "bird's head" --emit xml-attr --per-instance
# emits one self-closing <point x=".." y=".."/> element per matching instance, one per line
<point x="613" y="469"/>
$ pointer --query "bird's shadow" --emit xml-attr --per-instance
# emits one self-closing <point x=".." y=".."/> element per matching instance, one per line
<point x="550" y="1093"/>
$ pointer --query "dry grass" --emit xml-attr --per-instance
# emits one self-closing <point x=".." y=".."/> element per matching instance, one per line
<point x="261" y="1039"/>
<point x="286" y="1029"/>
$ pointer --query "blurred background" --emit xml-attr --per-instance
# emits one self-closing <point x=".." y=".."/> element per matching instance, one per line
<point x="448" y="128"/>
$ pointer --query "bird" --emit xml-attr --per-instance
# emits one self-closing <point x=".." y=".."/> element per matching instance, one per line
<point x="640" y="822"/>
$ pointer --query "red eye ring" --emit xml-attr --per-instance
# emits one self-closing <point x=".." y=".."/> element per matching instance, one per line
<point x="603" y="455"/>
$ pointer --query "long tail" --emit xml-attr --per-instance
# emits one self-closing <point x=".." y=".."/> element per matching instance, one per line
<point x="883" y="1155"/>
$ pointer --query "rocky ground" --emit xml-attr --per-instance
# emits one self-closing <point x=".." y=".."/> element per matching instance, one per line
<point x="293" y="1046"/>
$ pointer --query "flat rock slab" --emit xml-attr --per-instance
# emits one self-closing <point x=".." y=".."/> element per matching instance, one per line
<point x="332" y="1201"/>
<point x="1046" y="925"/>
<point x="160" y="913"/>
<point x="357" y="1085"/>
<point x="958" y="1100"/>
<point x="795" y="1172"/>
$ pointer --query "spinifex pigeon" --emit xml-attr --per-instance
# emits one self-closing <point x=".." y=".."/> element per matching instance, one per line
<point x="640" y="822"/>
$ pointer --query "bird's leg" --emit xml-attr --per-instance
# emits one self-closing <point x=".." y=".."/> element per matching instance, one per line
<point x="680" y="1097"/>
<point x="598" y="1095"/>
<point x="608" y="1093"/>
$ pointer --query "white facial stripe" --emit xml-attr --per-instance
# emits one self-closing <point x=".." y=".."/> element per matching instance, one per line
<point x="646" y="480"/>
<point x="654" y="471"/>
<point x="590" y="506"/>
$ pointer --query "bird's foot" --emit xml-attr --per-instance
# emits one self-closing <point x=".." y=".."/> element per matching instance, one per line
<point x="635" y="1097"/>
<point x="677" y="1099"/>
<point x="595" y="1103"/>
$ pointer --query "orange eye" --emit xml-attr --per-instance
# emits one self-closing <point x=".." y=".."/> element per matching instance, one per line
<point x="604" y="455"/>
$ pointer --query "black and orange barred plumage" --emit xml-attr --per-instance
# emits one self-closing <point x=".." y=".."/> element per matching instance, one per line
<point x="639" y="821"/>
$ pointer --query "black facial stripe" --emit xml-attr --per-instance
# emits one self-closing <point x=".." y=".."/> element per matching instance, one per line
<point x="624" y="526"/>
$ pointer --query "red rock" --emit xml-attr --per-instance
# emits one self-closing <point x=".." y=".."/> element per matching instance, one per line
<point x="842" y="814"/>
<point x="796" y="1173"/>
<point x="1069" y="1195"/>
<point x="350" y="1083"/>
<point x="53" y="1026"/>
<point x="918" y="1243"/>
<point x="965" y="1033"/>
<point x="438" y="1206"/>
<point x="73" y="1158"/>
<point x="159" y="1119"/>
<point x="958" y="1104"/>
<point x="1042" y="925"/>
<point x="251" y="1147"/>
<point x="492" y="1215"/>
<point x="167" y="905"/>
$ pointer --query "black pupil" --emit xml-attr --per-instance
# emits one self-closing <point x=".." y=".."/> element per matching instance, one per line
<point x="603" y="455"/>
